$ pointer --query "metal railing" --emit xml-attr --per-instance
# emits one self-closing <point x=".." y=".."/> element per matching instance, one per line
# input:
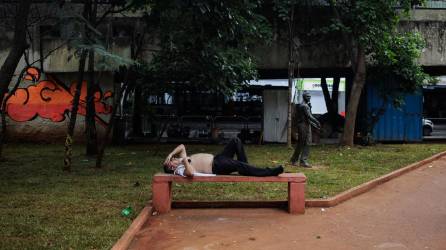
<point x="196" y="126"/>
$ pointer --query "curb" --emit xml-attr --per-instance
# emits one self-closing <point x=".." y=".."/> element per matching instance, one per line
<point x="124" y="242"/>
<point x="346" y="195"/>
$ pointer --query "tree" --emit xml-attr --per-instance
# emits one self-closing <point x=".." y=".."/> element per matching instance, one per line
<point x="73" y="114"/>
<point x="396" y="60"/>
<point x="366" y="26"/>
<point x="300" y="32"/>
<point x="87" y="42"/>
<point x="19" y="45"/>
<point x="287" y="12"/>
<point x="94" y="21"/>
<point x="395" y="73"/>
<point x="122" y="87"/>
<point x="90" y="123"/>
<point x="27" y="23"/>
<point x="331" y="102"/>
<point x="207" y="43"/>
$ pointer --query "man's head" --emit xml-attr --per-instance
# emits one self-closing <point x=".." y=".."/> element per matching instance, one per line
<point x="306" y="96"/>
<point x="171" y="165"/>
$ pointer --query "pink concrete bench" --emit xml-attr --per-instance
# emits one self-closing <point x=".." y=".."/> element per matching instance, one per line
<point x="162" y="188"/>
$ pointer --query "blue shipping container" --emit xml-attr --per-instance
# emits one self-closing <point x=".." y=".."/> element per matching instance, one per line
<point x="397" y="124"/>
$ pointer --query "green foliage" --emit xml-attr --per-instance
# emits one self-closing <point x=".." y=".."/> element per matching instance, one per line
<point x="206" y="42"/>
<point x="395" y="59"/>
<point x="334" y="26"/>
<point x="284" y="8"/>
<point x="373" y="24"/>
<point x="369" y="21"/>
<point x="297" y="17"/>
<point x="106" y="59"/>
<point x="82" y="35"/>
<point x="392" y="56"/>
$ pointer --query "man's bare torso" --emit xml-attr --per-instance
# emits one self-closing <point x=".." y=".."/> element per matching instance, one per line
<point x="202" y="162"/>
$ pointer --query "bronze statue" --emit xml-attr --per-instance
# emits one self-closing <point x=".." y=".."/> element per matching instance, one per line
<point x="304" y="120"/>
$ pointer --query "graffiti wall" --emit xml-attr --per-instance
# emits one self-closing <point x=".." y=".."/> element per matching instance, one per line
<point x="40" y="108"/>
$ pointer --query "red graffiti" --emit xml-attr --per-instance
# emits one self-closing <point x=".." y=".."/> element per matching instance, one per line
<point x="50" y="100"/>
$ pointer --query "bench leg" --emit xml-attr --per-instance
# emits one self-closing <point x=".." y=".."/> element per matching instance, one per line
<point x="162" y="196"/>
<point x="296" y="198"/>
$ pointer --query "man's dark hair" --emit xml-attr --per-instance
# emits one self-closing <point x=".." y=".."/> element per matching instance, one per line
<point x="167" y="170"/>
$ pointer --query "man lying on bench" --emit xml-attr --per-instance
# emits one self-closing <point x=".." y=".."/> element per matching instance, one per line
<point x="178" y="162"/>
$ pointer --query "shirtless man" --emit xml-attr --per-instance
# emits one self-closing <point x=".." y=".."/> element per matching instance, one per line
<point x="222" y="163"/>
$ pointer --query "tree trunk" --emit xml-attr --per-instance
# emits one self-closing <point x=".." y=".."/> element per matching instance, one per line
<point x="101" y="150"/>
<point x="327" y="97"/>
<point x="90" y="123"/>
<point x="335" y="95"/>
<point x="331" y="102"/>
<point x="347" y="138"/>
<point x="135" y="46"/>
<point x="328" y="102"/>
<point x="291" y="65"/>
<point x="335" y="105"/>
<point x="3" y="133"/>
<point x="19" y="45"/>
<point x="73" y="114"/>
<point x="290" y="96"/>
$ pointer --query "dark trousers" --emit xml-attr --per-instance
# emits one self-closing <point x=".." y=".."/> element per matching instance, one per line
<point x="225" y="164"/>
<point x="302" y="149"/>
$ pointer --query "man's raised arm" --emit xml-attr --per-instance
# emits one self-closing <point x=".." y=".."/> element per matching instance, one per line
<point x="180" y="150"/>
<point x="177" y="151"/>
<point x="190" y="170"/>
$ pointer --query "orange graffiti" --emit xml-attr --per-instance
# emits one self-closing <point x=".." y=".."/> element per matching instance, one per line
<point x="50" y="100"/>
<point x="32" y="74"/>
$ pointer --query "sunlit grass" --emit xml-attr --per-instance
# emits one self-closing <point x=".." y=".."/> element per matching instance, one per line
<point x="43" y="207"/>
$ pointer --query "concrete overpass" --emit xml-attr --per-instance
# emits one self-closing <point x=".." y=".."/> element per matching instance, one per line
<point x="320" y="56"/>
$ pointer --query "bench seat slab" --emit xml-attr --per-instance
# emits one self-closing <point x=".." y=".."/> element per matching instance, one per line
<point x="286" y="177"/>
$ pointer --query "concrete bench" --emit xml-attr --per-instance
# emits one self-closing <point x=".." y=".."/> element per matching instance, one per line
<point x="162" y="188"/>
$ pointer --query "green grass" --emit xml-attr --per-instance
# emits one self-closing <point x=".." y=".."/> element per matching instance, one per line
<point x="43" y="207"/>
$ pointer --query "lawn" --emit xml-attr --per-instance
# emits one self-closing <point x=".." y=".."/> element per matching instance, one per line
<point x="43" y="207"/>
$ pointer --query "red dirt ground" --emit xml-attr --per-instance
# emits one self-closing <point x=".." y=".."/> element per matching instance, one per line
<point x="408" y="212"/>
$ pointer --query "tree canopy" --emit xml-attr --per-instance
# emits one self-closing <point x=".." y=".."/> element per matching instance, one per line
<point x="370" y="31"/>
<point x="206" y="42"/>
<point x="396" y="59"/>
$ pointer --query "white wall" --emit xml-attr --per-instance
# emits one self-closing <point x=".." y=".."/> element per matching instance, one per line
<point x="275" y="114"/>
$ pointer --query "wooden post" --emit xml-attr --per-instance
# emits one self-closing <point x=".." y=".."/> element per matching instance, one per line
<point x="296" y="198"/>
<point x="162" y="196"/>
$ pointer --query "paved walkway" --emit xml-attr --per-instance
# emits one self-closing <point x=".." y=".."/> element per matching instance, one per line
<point x="408" y="212"/>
